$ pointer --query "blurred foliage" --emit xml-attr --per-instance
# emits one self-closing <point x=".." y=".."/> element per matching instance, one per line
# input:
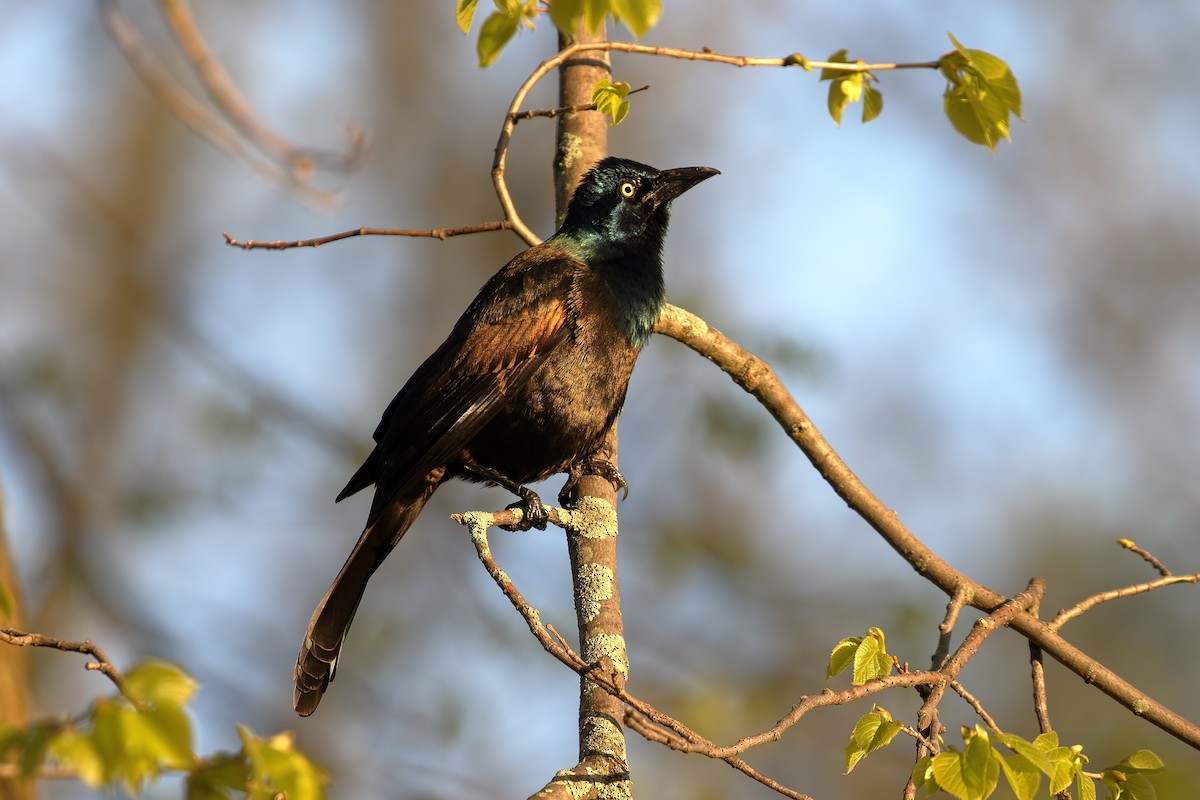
<point x="144" y="733"/>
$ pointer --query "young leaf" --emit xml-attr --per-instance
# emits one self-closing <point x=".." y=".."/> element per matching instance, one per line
<point x="76" y="753"/>
<point x="497" y="29"/>
<point x="218" y="777"/>
<point x="464" y="12"/>
<point x="872" y="103"/>
<point x="839" y="57"/>
<point x="275" y="763"/>
<point x="1085" y="787"/>
<point x="842" y="655"/>
<point x="638" y="15"/>
<point x="1141" y="761"/>
<point x="971" y="774"/>
<point x="159" y="682"/>
<point x="871" y="660"/>
<point x="1032" y="753"/>
<point x="609" y="99"/>
<point x="1022" y="776"/>
<point x="873" y="730"/>
<point x="981" y="93"/>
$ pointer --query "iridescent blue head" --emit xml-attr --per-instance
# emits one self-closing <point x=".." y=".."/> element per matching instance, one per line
<point x="623" y="206"/>
<point x="617" y="221"/>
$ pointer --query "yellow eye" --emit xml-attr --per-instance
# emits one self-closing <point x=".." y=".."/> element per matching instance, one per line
<point x="628" y="189"/>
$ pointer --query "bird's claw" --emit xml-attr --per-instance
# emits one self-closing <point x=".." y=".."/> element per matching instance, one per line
<point x="599" y="467"/>
<point x="533" y="512"/>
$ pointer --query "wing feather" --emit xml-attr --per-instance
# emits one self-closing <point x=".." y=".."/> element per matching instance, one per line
<point x="512" y="326"/>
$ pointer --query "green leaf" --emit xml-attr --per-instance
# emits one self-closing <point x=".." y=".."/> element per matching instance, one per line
<point x="33" y="741"/>
<point x="1022" y="776"/>
<point x="1138" y="787"/>
<point x="981" y="94"/>
<point x="971" y="774"/>
<point x="77" y="753"/>
<point x="464" y="12"/>
<point x="218" y="777"/>
<point x="871" y="660"/>
<point x="497" y="29"/>
<point x="159" y="682"/>
<point x="609" y="99"/>
<point x="8" y="604"/>
<point x="638" y="15"/>
<point x="1085" y="787"/>
<point x="839" y="57"/>
<point x="842" y="655"/>
<point x="276" y="765"/>
<point x="922" y="775"/>
<point x="565" y="14"/>
<point x="1031" y="751"/>
<point x="1141" y="761"/>
<point x="872" y="103"/>
<point x="873" y="730"/>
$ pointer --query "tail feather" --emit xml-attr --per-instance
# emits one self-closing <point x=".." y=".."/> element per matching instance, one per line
<point x="318" y="658"/>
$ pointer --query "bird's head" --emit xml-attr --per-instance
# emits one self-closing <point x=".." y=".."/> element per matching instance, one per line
<point x="622" y="206"/>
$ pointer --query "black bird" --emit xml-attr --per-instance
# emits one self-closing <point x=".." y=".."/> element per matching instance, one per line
<point x="526" y="386"/>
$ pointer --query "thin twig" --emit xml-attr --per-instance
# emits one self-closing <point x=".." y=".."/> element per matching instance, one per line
<point x="1041" y="703"/>
<point x="554" y="112"/>
<point x="431" y="233"/>
<point x="86" y="647"/>
<point x="975" y="704"/>
<point x="552" y="63"/>
<point x="156" y="77"/>
<point x="300" y="161"/>
<point x="1150" y="559"/>
<point x="1066" y="615"/>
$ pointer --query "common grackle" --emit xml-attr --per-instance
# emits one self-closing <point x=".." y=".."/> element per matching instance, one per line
<point x="527" y="384"/>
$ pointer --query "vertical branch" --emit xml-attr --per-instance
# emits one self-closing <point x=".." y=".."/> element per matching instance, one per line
<point x="603" y="770"/>
<point x="582" y="136"/>
<point x="14" y="662"/>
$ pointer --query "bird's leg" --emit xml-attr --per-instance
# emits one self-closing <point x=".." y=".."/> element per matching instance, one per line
<point x="592" y="465"/>
<point x="534" y="513"/>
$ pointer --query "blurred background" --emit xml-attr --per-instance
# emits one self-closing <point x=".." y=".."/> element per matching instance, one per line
<point x="1004" y="347"/>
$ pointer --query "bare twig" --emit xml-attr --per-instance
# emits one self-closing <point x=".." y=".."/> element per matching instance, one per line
<point x="1041" y="705"/>
<point x="1066" y="615"/>
<point x="431" y="233"/>
<point x="975" y="704"/>
<point x="1150" y="559"/>
<point x="101" y="664"/>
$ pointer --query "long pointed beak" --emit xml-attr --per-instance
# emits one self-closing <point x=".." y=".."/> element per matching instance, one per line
<point x="670" y="183"/>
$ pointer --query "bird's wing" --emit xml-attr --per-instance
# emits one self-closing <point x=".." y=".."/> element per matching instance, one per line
<point x="515" y="322"/>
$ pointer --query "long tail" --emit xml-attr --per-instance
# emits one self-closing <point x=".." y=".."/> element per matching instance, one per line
<point x="318" y="658"/>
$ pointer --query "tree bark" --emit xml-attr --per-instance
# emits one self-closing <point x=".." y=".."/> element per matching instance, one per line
<point x="603" y="770"/>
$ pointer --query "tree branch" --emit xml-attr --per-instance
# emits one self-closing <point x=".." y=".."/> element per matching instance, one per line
<point x="101" y="664"/>
<point x="756" y="377"/>
<point x="430" y="233"/>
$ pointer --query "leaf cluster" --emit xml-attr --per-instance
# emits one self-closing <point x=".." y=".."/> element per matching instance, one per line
<point x="510" y="16"/>
<point x="144" y="732"/>
<point x="981" y="94"/>
<point x="973" y="772"/>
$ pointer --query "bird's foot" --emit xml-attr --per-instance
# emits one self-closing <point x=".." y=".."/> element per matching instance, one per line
<point x="533" y="512"/>
<point x="592" y="465"/>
